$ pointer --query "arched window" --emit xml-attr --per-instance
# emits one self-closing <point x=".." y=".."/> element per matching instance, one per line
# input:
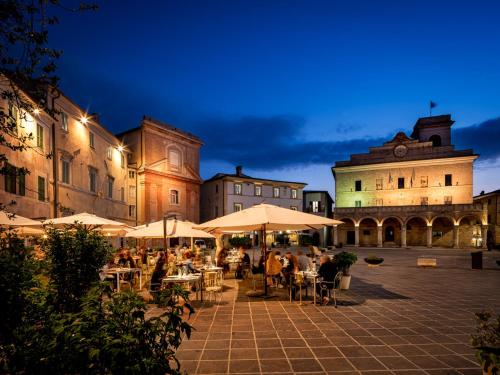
<point x="174" y="197"/>
<point x="436" y="140"/>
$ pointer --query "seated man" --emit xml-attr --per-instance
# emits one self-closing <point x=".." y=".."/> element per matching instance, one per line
<point x="288" y="271"/>
<point x="327" y="272"/>
<point x="304" y="262"/>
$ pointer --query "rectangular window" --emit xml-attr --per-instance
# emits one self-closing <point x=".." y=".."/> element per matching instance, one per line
<point x="237" y="207"/>
<point x="379" y="184"/>
<point x="401" y="182"/>
<point x="131" y="210"/>
<point x="93" y="180"/>
<point x="276" y="192"/>
<point x="423" y="181"/>
<point x="357" y="185"/>
<point x="131" y="174"/>
<point x="174" y="197"/>
<point x="424" y="201"/>
<point x="109" y="153"/>
<point x="379" y="202"/>
<point x="448" y="180"/>
<point x="293" y="193"/>
<point x="39" y="136"/>
<point x="122" y="160"/>
<point x="22" y="183"/>
<point x="448" y="200"/>
<point x="91" y="140"/>
<point x="357" y="204"/>
<point x="65" y="171"/>
<point x="315" y="206"/>
<point x="41" y="189"/>
<point x="131" y="192"/>
<point x="258" y="190"/>
<point x="111" y="182"/>
<point x="293" y="208"/>
<point x="10" y="179"/>
<point x="14" y="118"/>
<point x="122" y="194"/>
<point x="216" y="211"/>
<point x="216" y="188"/>
<point x="237" y="189"/>
<point x="64" y="121"/>
<point x="489" y="219"/>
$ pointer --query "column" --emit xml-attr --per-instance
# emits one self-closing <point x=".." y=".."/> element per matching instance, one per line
<point x="429" y="235"/>
<point x="484" y="235"/>
<point x="379" y="236"/>
<point x="356" y="235"/>
<point x="455" y="236"/>
<point x="335" y="236"/>
<point x="403" y="235"/>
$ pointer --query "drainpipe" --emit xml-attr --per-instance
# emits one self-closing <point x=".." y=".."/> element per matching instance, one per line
<point x="55" y="175"/>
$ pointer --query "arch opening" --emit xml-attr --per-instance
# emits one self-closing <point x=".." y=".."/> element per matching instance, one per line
<point x="368" y="232"/>
<point x="391" y="230"/>
<point x="416" y="232"/>
<point x="442" y="232"/>
<point x="436" y="140"/>
<point x="346" y="232"/>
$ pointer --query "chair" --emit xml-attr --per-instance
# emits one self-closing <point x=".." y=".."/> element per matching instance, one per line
<point x="330" y="286"/>
<point x="213" y="283"/>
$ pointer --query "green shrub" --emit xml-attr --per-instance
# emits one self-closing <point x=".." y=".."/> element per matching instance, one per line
<point x="486" y="340"/>
<point x="245" y="242"/>
<point x="344" y="260"/>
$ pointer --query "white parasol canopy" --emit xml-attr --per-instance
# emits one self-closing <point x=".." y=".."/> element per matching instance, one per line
<point x="105" y="225"/>
<point x="175" y="228"/>
<point x="8" y="219"/>
<point x="266" y="217"/>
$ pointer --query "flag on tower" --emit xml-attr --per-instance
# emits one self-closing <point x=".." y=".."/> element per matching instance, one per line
<point x="432" y="105"/>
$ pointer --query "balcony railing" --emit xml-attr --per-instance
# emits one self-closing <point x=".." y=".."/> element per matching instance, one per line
<point x="409" y="209"/>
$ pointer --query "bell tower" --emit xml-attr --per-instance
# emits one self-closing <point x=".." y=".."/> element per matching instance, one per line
<point x="435" y="129"/>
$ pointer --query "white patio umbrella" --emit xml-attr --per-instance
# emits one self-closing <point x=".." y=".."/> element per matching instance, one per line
<point x="108" y="226"/>
<point x="14" y="220"/>
<point x="175" y="228"/>
<point x="266" y="217"/>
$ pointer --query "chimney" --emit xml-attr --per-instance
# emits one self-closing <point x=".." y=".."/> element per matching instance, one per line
<point x="239" y="168"/>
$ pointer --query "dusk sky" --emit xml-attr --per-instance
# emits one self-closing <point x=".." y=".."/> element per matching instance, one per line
<point x="286" y="88"/>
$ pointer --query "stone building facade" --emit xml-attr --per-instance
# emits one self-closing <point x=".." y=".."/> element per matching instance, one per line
<point x="492" y="202"/>
<point x="136" y="177"/>
<point x="227" y="193"/>
<point x="319" y="202"/>
<point x="165" y="163"/>
<point x="411" y="191"/>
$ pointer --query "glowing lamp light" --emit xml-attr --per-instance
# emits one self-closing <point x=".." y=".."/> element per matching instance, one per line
<point x="45" y="236"/>
<point x="36" y="111"/>
<point x="120" y="148"/>
<point x="84" y="120"/>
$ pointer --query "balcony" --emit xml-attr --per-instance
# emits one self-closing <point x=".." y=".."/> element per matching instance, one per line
<point x="441" y="208"/>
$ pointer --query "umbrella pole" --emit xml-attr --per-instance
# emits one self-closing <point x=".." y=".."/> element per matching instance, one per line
<point x="164" y="233"/>
<point x="264" y="248"/>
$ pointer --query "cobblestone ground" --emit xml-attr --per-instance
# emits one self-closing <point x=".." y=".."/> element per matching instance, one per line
<point x="395" y="319"/>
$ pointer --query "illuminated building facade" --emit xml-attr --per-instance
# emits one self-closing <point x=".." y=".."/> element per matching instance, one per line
<point x="92" y="170"/>
<point x="166" y="166"/>
<point x="492" y="202"/>
<point x="411" y="191"/>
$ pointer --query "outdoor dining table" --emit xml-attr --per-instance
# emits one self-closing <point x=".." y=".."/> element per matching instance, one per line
<point x="189" y="278"/>
<point x="124" y="270"/>
<point x="312" y="275"/>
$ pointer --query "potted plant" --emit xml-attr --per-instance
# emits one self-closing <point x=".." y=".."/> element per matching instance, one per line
<point x="486" y="340"/>
<point x="344" y="260"/>
<point x="373" y="260"/>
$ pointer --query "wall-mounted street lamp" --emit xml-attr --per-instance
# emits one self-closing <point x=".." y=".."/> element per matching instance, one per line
<point x="84" y="119"/>
<point x="120" y="148"/>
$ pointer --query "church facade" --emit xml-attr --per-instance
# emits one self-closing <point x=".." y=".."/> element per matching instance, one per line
<point x="411" y="191"/>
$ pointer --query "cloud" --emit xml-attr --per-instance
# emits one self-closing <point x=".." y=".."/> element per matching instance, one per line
<point x="483" y="138"/>
<point x="274" y="142"/>
<point x="271" y="143"/>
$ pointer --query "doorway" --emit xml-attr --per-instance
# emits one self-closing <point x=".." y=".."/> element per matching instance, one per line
<point x="389" y="234"/>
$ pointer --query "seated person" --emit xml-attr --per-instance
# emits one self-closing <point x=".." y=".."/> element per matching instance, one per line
<point x="290" y="270"/>
<point x="245" y="263"/>
<point x="187" y="262"/>
<point x="327" y="271"/>
<point x="109" y="277"/>
<point x="304" y="262"/>
<point x="273" y="268"/>
<point x="127" y="261"/>
<point x="159" y="271"/>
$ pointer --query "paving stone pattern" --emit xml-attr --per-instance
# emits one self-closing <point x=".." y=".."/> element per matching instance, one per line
<point x="395" y="319"/>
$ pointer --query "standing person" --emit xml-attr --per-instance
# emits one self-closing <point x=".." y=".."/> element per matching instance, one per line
<point x="327" y="271"/>
<point x="159" y="271"/>
<point x="244" y="263"/>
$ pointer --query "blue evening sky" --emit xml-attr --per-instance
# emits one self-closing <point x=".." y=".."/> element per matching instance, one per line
<point x="285" y="88"/>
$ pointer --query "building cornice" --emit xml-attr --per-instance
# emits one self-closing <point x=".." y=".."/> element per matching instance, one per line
<point x="405" y="164"/>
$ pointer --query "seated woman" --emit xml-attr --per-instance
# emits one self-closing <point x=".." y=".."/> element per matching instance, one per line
<point x="273" y="268"/>
<point x="109" y="277"/>
<point x="159" y="271"/>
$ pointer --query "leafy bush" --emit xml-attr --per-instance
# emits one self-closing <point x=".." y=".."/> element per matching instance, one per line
<point x="344" y="260"/>
<point x="91" y="331"/>
<point x="486" y="340"/>
<point x="74" y="258"/>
